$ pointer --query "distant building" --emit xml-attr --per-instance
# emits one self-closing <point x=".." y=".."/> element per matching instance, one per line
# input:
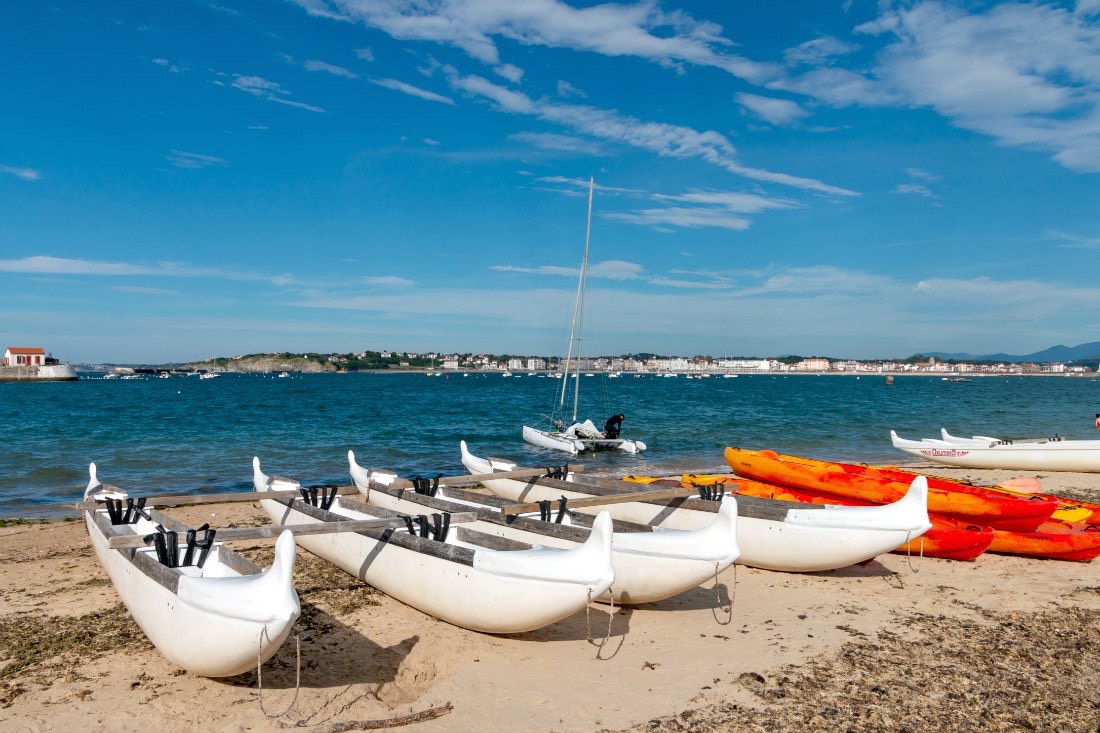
<point x="24" y="356"/>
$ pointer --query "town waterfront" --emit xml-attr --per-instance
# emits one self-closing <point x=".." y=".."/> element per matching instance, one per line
<point x="184" y="434"/>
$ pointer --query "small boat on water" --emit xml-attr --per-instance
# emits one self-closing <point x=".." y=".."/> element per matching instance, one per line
<point x="649" y="565"/>
<point x="1043" y="454"/>
<point x="572" y="435"/>
<point x="456" y="576"/>
<point x="772" y="535"/>
<point x="212" y="612"/>
<point x="969" y="503"/>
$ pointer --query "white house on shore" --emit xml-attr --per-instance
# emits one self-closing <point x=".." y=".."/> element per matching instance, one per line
<point x="24" y="356"/>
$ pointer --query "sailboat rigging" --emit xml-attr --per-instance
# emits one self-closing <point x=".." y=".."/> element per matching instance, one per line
<point x="579" y="437"/>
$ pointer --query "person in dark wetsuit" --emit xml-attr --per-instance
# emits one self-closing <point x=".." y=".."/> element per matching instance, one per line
<point x="613" y="425"/>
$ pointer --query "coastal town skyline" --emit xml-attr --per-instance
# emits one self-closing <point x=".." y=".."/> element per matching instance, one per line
<point x="857" y="178"/>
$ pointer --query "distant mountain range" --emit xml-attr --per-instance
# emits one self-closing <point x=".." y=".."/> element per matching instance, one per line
<point x="1088" y="351"/>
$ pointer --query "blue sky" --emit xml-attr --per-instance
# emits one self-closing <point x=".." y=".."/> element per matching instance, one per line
<point x="854" y="179"/>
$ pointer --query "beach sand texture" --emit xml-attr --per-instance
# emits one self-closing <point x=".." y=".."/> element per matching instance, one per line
<point x="903" y="644"/>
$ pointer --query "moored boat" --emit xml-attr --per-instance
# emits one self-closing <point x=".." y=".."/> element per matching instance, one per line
<point x="649" y="566"/>
<point x="772" y="535"/>
<point x="452" y="575"/>
<point x="969" y="503"/>
<point x="948" y="538"/>
<point x="213" y="613"/>
<point x="1047" y="454"/>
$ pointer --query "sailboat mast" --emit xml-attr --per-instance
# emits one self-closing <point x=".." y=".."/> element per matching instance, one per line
<point x="580" y="296"/>
<point x="578" y="317"/>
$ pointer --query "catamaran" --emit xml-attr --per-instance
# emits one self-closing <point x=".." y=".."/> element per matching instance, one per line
<point x="579" y="436"/>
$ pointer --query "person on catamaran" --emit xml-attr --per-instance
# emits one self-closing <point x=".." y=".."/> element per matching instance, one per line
<point x="613" y="425"/>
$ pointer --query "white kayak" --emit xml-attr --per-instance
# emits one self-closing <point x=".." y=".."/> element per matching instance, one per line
<point x="774" y="535"/>
<point x="1044" y="454"/>
<point x="214" y="613"/>
<point x="649" y="565"/>
<point x="450" y="575"/>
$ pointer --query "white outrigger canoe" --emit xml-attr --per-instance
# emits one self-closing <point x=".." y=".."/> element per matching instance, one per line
<point x="450" y="575"/>
<point x="649" y="565"/>
<point x="774" y="535"/>
<point x="215" y="616"/>
<point x="985" y="452"/>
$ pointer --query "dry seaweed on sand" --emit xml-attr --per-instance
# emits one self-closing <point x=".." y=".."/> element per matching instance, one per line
<point x="39" y="648"/>
<point x="1037" y="672"/>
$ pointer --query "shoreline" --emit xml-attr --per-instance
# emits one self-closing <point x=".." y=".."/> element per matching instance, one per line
<point x="900" y="643"/>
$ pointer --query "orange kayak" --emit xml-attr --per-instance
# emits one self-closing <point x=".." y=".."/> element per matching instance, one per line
<point x="1069" y="510"/>
<point x="1054" y="539"/>
<point x="969" y="503"/>
<point x="949" y="539"/>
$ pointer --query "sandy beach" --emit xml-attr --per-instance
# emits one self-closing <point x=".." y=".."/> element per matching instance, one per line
<point x="900" y="643"/>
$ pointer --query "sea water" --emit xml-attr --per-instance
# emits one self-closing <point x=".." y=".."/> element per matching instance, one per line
<point x="186" y="435"/>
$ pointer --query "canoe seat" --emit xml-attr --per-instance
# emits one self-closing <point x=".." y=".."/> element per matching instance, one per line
<point x="135" y="510"/>
<point x="318" y="496"/>
<point x="437" y="528"/>
<point x="167" y="546"/>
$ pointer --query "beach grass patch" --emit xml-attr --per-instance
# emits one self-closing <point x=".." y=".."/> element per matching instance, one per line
<point x="38" y="648"/>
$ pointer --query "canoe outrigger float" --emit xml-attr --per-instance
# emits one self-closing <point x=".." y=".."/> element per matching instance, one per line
<point x="771" y="534"/>
<point x="649" y="565"/>
<point x="1046" y="454"/>
<point x="205" y="608"/>
<point x="450" y="572"/>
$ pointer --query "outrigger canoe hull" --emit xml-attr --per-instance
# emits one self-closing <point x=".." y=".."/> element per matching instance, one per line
<point x="496" y="592"/>
<point x="772" y="535"/>
<point x="649" y="566"/>
<point x="212" y="622"/>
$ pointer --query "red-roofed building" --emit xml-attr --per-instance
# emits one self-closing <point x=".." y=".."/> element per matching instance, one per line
<point x="24" y="356"/>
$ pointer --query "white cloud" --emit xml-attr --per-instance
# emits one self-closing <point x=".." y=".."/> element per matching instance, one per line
<point x="364" y="54"/>
<point x="400" y="86"/>
<point x="430" y="141"/>
<point x="915" y="188"/>
<point x="771" y="110"/>
<point x="389" y="281"/>
<point x="263" y="88"/>
<point x="1074" y="240"/>
<point x="681" y="217"/>
<point x="565" y="89"/>
<point x="194" y="161"/>
<point x="143" y="290"/>
<point x="921" y="174"/>
<point x="641" y="30"/>
<point x="551" y="141"/>
<point x="609" y="269"/>
<point x="664" y="139"/>
<point x="510" y="72"/>
<point x="27" y="174"/>
<point x="314" y="65"/>
<point x="818" y="51"/>
<point x="1027" y="75"/>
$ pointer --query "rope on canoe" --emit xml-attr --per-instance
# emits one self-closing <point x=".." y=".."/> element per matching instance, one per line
<point x="588" y="619"/>
<point x="909" y="552"/>
<point x="259" y="673"/>
<point x="718" y="595"/>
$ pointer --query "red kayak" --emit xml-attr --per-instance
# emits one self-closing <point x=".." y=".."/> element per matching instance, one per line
<point x="1054" y="540"/>
<point x="1069" y="510"/>
<point x="969" y="503"/>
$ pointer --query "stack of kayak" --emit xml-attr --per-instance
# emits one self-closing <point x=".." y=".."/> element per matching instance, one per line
<point x="1036" y="525"/>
